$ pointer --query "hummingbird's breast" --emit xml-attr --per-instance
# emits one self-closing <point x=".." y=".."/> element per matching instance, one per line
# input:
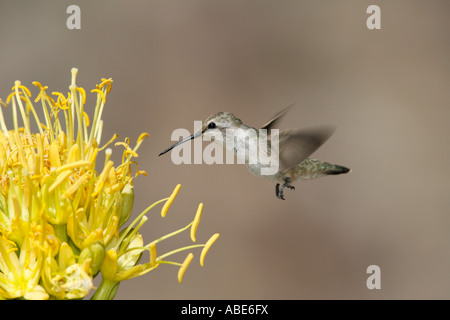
<point x="241" y="140"/>
<point x="262" y="171"/>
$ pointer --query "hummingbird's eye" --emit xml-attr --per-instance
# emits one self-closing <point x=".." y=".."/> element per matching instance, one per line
<point x="211" y="125"/>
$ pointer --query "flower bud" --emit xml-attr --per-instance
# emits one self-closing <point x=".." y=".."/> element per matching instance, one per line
<point x="95" y="252"/>
<point x="127" y="205"/>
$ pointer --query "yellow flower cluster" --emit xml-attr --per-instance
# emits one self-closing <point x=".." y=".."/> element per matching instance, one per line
<point x="61" y="220"/>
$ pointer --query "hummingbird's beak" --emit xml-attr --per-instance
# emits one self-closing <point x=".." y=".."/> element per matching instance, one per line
<point x="192" y="136"/>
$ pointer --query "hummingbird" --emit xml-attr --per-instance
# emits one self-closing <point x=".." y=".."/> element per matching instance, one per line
<point x="294" y="148"/>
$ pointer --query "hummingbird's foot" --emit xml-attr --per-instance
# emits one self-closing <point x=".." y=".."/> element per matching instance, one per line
<point x="279" y="192"/>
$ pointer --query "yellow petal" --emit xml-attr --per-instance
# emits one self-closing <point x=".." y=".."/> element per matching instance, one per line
<point x="37" y="293"/>
<point x="66" y="256"/>
<point x="109" y="265"/>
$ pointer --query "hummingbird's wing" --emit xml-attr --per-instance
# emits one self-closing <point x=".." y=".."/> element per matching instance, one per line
<point x="269" y="125"/>
<point x="295" y="145"/>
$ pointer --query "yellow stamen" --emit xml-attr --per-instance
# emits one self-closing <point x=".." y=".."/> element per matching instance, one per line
<point x="128" y="149"/>
<point x="102" y="178"/>
<point x="169" y="201"/>
<point x="115" y="136"/>
<point x="74" y="188"/>
<point x="73" y="165"/>
<point x="74" y="153"/>
<point x="86" y="119"/>
<point x="25" y="89"/>
<point x="54" y="155"/>
<point x="206" y="248"/>
<point x="153" y="254"/>
<point x="96" y="235"/>
<point x="18" y="84"/>
<point x="61" y="99"/>
<point x="139" y="172"/>
<point x="184" y="266"/>
<point x="107" y="82"/>
<point x="142" y="136"/>
<point x="9" y="97"/>
<point x="59" y="180"/>
<point x="83" y="94"/>
<point x="38" y="84"/>
<point x="100" y="93"/>
<point x="194" y="226"/>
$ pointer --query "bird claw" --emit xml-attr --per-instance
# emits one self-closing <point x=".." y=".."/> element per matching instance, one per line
<point x="279" y="192"/>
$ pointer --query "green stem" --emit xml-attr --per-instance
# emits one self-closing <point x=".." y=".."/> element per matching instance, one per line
<point x="107" y="290"/>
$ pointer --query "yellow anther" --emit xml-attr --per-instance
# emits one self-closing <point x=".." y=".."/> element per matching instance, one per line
<point x="39" y="85"/>
<point x="54" y="155"/>
<point x="115" y="136"/>
<point x="63" y="176"/>
<point x="83" y="94"/>
<point x="76" y="186"/>
<point x="153" y="254"/>
<point x="107" y="82"/>
<point x="102" y="178"/>
<point x="73" y="165"/>
<point x="169" y="201"/>
<point x="206" y="248"/>
<point x="100" y="93"/>
<point x="142" y="136"/>
<point x="196" y="221"/>
<point x="25" y="89"/>
<point x="184" y="266"/>
<point x="86" y="118"/>
<point x="74" y="153"/>
<point x="9" y="97"/>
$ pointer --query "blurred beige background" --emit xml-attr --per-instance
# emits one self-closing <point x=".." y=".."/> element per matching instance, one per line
<point x="174" y="62"/>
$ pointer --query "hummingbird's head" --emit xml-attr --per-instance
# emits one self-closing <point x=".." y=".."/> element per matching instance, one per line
<point x="220" y="121"/>
<point x="213" y="126"/>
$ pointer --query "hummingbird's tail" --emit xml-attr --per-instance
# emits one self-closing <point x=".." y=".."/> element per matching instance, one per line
<point x="313" y="168"/>
<point x="335" y="169"/>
